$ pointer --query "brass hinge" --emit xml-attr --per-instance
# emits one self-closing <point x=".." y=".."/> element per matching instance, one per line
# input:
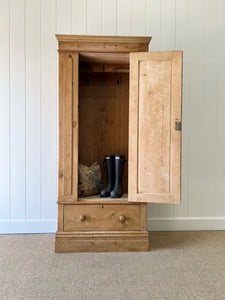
<point x="178" y="126"/>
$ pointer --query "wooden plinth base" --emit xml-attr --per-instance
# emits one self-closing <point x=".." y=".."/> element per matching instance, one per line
<point x="102" y="241"/>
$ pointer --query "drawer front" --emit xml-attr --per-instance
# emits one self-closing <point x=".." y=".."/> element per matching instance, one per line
<point x="102" y="217"/>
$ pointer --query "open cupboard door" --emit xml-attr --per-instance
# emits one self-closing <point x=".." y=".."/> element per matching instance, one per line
<point x="155" y="127"/>
<point x="68" y="126"/>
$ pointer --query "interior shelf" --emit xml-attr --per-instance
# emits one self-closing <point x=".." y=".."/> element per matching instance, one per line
<point x="97" y="198"/>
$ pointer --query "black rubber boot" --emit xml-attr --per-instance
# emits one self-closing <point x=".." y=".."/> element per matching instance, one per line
<point x="117" y="191"/>
<point x="110" y="169"/>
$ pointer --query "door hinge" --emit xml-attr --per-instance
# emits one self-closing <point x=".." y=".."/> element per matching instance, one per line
<point x="178" y="126"/>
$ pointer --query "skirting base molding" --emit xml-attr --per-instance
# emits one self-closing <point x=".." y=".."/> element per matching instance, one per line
<point x="28" y="226"/>
<point x="178" y="224"/>
<point x="186" y="224"/>
<point x="104" y="241"/>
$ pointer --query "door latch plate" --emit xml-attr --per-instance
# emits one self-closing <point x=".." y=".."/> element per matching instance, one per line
<point x="178" y="126"/>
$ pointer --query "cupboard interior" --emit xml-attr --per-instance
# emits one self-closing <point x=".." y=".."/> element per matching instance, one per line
<point x="103" y="109"/>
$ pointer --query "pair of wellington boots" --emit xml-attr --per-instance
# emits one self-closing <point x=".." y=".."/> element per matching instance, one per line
<point x="114" y="168"/>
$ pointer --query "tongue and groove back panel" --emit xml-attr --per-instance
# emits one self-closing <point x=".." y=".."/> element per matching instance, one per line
<point x="103" y="118"/>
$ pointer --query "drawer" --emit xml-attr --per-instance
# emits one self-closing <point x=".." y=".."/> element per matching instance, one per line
<point x="102" y="217"/>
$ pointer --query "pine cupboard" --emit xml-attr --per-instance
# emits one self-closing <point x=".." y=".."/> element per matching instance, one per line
<point x="115" y="97"/>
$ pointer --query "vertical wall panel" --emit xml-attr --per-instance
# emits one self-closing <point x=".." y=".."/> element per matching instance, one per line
<point x="153" y="24"/>
<point x="64" y="14"/>
<point x="48" y="110"/>
<point x="4" y="112"/>
<point x="109" y="17"/>
<point x="195" y="110"/>
<point x="183" y="42"/>
<point x="79" y="10"/>
<point x="168" y="25"/>
<point x="139" y="12"/>
<point x="153" y="28"/>
<point x="94" y="17"/>
<point x="18" y="108"/>
<point x="33" y="185"/>
<point x="210" y="99"/>
<point x="124" y="17"/>
<point x="220" y="163"/>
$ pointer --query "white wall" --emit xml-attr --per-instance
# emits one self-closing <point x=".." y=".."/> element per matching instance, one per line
<point x="28" y="102"/>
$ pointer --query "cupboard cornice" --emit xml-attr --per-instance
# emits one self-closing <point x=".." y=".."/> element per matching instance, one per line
<point x="91" y="43"/>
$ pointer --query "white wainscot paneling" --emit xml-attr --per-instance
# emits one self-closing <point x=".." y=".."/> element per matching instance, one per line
<point x="29" y="105"/>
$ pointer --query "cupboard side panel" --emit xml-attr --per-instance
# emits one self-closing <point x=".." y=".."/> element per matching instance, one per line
<point x="75" y="87"/>
<point x="68" y="125"/>
<point x="61" y="148"/>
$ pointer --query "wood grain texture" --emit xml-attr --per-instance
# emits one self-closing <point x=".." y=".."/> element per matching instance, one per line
<point x="103" y="68"/>
<point x="158" y="182"/>
<point x="104" y="39"/>
<point x="103" y="118"/>
<point x="154" y="134"/>
<point x="102" y="241"/>
<point x="68" y="124"/>
<point x="96" y="199"/>
<point x="107" y="58"/>
<point x="102" y="122"/>
<point x="60" y="217"/>
<point x="75" y="124"/>
<point x="101" y="46"/>
<point x="102" y="217"/>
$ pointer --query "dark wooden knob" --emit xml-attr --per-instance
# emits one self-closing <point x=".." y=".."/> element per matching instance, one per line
<point x="122" y="218"/>
<point x="82" y="218"/>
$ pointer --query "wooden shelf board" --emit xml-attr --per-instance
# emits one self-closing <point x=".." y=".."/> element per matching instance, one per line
<point x="97" y="199"/>
<point x="101" y="199"/>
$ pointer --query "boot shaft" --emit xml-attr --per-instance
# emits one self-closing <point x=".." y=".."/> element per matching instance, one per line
<point x="110" y="169"/>
<point x="119" y="166"/>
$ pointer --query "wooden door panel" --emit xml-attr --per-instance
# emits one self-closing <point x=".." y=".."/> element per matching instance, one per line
<point x="154" y="142"/>
<point x="68" y="125"/>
